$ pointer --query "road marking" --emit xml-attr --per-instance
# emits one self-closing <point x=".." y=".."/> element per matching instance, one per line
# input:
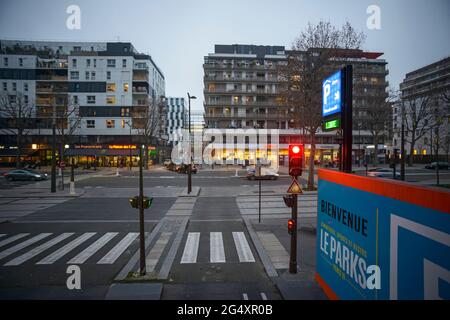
<point x="22" y="245"/>
<point x="115" y="252"/>
<point x="58" y="254"/>
<point x="242" y="247"/>
<point x="245" y="296"/>
<point x="2" y="235"/>
<point x="217" y="253"/>
<point x="34" y="252"/>
<point x="153" y="257"/>
<point x="263" y="296"/>
<point x="191" y="248"/>
<point x="93" y="248"/>
<point x="12" y="239"/>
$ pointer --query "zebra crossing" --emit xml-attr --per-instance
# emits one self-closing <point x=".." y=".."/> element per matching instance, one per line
<point x="216" y="248"/>
<point x="25" y="248"/>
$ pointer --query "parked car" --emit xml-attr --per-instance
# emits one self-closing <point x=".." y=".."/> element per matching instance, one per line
<point x="24" y="174"/>
<point x="266" y="174"/>
<point x="434" y="165"/>
<point x="184" y="168"/>
<point x="383" y="173"/>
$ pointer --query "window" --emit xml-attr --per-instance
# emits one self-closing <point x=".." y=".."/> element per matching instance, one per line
<point x="14" y="86"/>
<point x="111" y="63"/>
<point x="124" y="63"/>
<point x="21" y="62"/>
<point x="76" y="49"/>
<point x="125" y="112"/>
<point x="110" y="123"/>
<point x="87" y="75"/>
<point x="74" y="75"/>
<point x="90" y="124"/>
<point x="88" y="63"/>
<point x="110" y="99"/>
<point x="111" y="87"/>
<point x="5" y="61"/>
<point x="5" y="86"/>
<point x="90" y="99"/>
<point x="95" y="63"/>
<point x="74" y="63"/>
<point x="108" y="75"/>
<point x="92" y="75"/>
<point x="25" y="99"/>
<point x="123" y="124"/>
<point x="25" y="87"/>
<point x="12" y="99"/>
<point x="75" y="99"/>
<point x="125" y="87"/>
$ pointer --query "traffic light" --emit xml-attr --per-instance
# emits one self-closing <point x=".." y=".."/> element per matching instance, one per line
<point x="295" y="159"/>
<point x="147" y="202"/>
<point x="134" y="202"/>
<point x="291" y="226"/>
<point x="288" y="201"/>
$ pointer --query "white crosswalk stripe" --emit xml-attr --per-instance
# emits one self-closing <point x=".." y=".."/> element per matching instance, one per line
<point x="115" y="252"/>
<point x="191" y="249"/>
<point x="217" y="253"/>
<point x="12" y="239"/>
<point x="35" y="251"/>
<point x="242" y="247"/>
<point x="93" y="248"/>
<point x="23" y="245"/>
<point x="58" y="254"/>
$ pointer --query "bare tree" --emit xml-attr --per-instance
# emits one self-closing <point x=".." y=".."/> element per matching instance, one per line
<point x="150" y="121"/>
<point x="16" y="113"/>
<point x="68" y="120"/>
<point x="308" y="64"/>
<point x="379" y="117"/>
<point x="418" y="120"/>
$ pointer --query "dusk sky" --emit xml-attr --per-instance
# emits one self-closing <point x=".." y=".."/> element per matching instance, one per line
<point x="178" y="34"/>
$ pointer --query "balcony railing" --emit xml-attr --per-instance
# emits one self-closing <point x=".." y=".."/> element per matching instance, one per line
<point x="140" y="90"/>
<point x="252" y="115"/>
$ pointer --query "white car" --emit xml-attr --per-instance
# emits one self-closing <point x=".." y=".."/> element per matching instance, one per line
<point x="266" y="174"/>
<point x="383" y="173"/>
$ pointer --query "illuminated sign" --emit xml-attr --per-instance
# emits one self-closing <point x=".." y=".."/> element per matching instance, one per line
<point x="115" y="146"/>
<point x="78" y="146"/>
<point x="332" y="94"/>
<point x="332" y="124"/>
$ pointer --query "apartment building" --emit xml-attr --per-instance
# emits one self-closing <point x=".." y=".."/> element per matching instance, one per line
<point x="242" y="88"/>
<point x="177" y="116"/>
<point x="425" y="97"/>
<point x="103" y="96"/>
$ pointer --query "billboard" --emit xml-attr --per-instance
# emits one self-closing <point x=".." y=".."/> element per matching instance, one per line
<point x="332" y="94"/>
<point x="382" y="239"/>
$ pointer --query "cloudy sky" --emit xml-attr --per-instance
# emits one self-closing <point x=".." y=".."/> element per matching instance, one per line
<point x="179" y="33"/>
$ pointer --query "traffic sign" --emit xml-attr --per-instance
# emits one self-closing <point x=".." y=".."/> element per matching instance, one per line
<point x="295" y="188"/>
<point x="332" y="94"/>
<point x="62" y="164"/>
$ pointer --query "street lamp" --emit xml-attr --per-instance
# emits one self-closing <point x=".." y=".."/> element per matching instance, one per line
<point x="190" y="149"/>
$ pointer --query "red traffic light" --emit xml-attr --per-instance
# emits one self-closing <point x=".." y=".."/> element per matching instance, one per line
<point x="295" y="159"/>
<point x="291" y="226"/>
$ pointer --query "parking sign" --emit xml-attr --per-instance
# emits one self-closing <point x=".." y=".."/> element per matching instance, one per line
<point x="332" y="94"/>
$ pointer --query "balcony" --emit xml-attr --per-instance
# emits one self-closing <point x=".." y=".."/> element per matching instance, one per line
<point x="140" y="76"/>
<point x="239" y="79"/>
<point x="240" y="91"/>
<point x="140" y="90"/>
<point x="244" y="104"/>
<point x="250" y="115"/>
<point x="46" y="88"/>
<point x="249" y="66"/>
<point x="51" y="64"/>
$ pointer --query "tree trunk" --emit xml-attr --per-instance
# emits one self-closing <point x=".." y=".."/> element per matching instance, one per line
<point x="411" y="151"/>
<point x="375" y="150"/>
<point x="311" y="161"/>
<point x="19" y="147"/>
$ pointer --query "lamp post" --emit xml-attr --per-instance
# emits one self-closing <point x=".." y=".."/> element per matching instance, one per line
<point x="53" y="174"/>
<point x="190" y="148"/>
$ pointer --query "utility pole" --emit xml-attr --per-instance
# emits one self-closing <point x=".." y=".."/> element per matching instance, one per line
<point x="53" y="178"/>
<point x="347" y="120"/>
<point x="141" y="215"/>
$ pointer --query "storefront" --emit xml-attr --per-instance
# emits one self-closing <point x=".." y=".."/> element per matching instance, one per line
<point x="102" y="156"/>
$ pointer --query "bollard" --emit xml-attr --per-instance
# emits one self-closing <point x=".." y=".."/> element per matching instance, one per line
<point x="236" y="175"/>
<point x="72" y="181"/>
<point x="117" y="172"/>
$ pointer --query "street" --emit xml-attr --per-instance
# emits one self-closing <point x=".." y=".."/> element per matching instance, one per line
<point x="196" y="247"/>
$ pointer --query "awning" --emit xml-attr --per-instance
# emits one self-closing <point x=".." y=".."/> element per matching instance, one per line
<point x="14" y="152"/>
<point x="100" y="152"/>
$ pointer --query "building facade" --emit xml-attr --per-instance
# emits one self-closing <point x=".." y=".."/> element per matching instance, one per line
<point x="425" y="108"/>
<point x="242" y="89"/>
<point x="176" y="116"/>
<point x="105" y="97"/>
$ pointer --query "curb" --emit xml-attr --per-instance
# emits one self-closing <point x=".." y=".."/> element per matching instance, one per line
<point x="268" y="266"/>
<point x="194" y="193"/>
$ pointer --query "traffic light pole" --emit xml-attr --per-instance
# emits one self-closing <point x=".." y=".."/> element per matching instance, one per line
<point x="347" y="120"/>
<point x="141" y="216"/>
<point x="293" y="257"/>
